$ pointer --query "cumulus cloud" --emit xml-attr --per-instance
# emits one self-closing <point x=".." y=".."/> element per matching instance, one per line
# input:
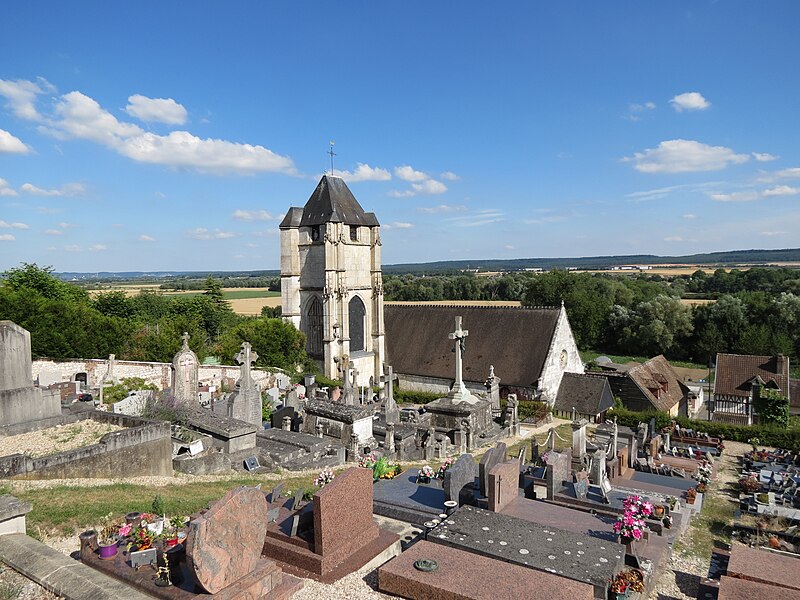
<point x="182" y="149"/>
<point x="5" y="189"/>
<point x="252" y="215"/>
<point x="146" y="238"/>
<point x="11" y="145"/>
<point x="68" y="189"/>
<point x="684" y="156"/>
<point x="427" y="187"/>
<point x="689" y="216"/>
<point x="751" y="195"/>
<point x="201" y="233"/>
<point x="21" y="95"/>
<point x="674" y="238"/>
<point x="7" y="225"/>
<point x="441" y="208"/>
<point x="82" y="117"/>
<point x="97" y="248"/>
<point x="364" y="172"/>
<point x="635" y="110"/>
<point x="763" y="156"/>
<point x="449" y="176"/>
<point x="161" y="110"/>
<point x="7" y="237"/>
<point x="689" y="101"/>
<point x="793" y="173"/>
<point x="408" y="173"/>
<point x="54" y="232"/>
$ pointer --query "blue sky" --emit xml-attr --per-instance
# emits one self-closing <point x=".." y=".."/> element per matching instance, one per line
<point x="173" y="136"/>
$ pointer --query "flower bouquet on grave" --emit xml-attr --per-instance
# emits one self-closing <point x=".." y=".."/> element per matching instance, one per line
<point x="626" y="582"/>
<point x="141" y="538"/>
<point x="750" y="484"/>
<point x="324" y="478"/>
<point x="383" y="470"/>
<point x="691" y="495"/>
<point x="448" y="462"/>
<point x="368" y="461"/>
<point x="425" y="474"/>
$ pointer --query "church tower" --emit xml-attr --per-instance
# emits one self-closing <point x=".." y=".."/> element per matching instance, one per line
<point x="331" y="284"/>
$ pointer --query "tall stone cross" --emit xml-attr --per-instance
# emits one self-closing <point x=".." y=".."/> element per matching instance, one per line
<point x="459" y="391"/>
<point x="185" y="338"/>
<point x="246" y="358"/>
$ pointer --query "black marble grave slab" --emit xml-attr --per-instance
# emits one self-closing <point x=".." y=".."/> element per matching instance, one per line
<point x="404" y="499"/>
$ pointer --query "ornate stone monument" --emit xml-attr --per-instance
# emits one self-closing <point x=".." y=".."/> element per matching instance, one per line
<point x="184" y="374"/>
<point x="244" y="403"/>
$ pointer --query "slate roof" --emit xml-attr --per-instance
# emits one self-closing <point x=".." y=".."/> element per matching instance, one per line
<point x="331" y="202"/>
<point x="735" y="373"/>
<point x="590" y="395"/>
<point x="515" y="340"/>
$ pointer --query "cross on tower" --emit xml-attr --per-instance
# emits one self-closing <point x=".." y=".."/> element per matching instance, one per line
<point x="332" y="154"/>
<point x="459" y="391"/>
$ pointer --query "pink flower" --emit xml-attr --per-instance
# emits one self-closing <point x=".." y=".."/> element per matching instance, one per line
<point x="124" y="530"/>
<point x="637" y="534"/>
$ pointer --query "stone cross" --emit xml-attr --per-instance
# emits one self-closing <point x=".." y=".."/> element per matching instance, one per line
<point x="185" y="338"/>
<point x="347" y="383"/>
<point x="390" y="438"/>
<point x="246" y="358"/>
<point x="390" y="406"/>
<point x="459" y="336"/>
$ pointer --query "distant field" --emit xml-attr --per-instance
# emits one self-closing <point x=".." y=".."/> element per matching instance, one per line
<point x="462" y="303"/>
<point x="244" y="301"/>
<point x="663" y="270"/>
<point x="696" y="301"/>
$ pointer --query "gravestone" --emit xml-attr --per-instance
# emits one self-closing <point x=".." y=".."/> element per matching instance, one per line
<point x="598" y="471"/>
<point x="490" y="458"/>
<point x="298" y="498"/>
<point x="459" y="479"/>
<point x="282" y="381"/>
<point x="184" y="374"/>
<point x="245" y="402"/>
<point x="224" y="544"/>
<point x="389" y="440"/>
<point x="492" y="384"/>
<point x="277" y="416"/>
<point x="277" y="492"/>
<point x="655" y="445"/>
<point x="559" y="464"/>
<point x="20" y="401"/>
<point x="292" y="399"/>
<point x="343" y="520"/>
<point x="503" y="484"/>
<point x="391" y="410"/>
<point x="273" y="395"/>
<point x="581" y="484"/>
<point x="348" y="386"/>
<point x="641" y="434"/>
<point x="622" y="458"/>
<point x="579" y="443"/>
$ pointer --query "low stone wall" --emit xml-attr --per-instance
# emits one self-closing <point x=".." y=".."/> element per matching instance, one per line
<point x="434" y="385"/>
<point x="159" y="374"/>
<point x="143" y="448"/>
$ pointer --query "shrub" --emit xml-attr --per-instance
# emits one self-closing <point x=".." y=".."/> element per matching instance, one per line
<point x="411" y="397"/>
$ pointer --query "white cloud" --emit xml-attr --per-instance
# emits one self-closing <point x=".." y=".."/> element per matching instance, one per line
<point x="449" y="176"/>
<point x="689" y="101"/>
<point x="54" y="232"/>
<point x="635" y="110"/>
<point x="674" y="238"/>
<point x="6" y="225"/>
<point x="66" y="225"/>
<point x="72" y="248"/>
<point x="68" y="189"/>
<point x="427" y="187"/>
<point x="441" y="208"/>
<point x="684" y="156"/>
<point x="21" y="95"/>
<point x="773" y="233"/>
<point x="83" y="118"/>
<point x="407" y="173"/>
<point x="545" y="220"/>
<point x="182" y="149"/>
<point x="397" y="225"/>
<point x="689" y="216"/>
<point x="201" y="233"/>
<point x="161" y="110"/>
<point x="481" y="217"/>
<point x="763" y="156"/>
<point x="11" y="145"/>
<point x="6" y="190"/>
<point x="97" y="248"/>
<point x="793" y="173"/>
<point x="364" y="172"/>
<point x="751" y="195"/>
<point x="7" y="237"/>
<point x="146" y="238"/>
<point x="252" y="215"/>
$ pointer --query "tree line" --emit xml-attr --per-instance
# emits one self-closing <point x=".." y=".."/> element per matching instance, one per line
<point x="66" y="322"/>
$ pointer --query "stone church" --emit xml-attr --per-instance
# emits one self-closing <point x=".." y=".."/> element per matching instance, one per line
<point x="331" y="286"/>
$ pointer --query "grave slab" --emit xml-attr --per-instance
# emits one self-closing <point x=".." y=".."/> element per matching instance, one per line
<point x="463" y="576"/>
<point x="733" y="588"/>
<point x="545" y="548"/>
<point x="404" y="499"/>
<point x="764" y="567"/>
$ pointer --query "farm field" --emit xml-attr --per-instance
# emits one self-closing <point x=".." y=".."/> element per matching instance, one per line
<point x="244" y="301"/>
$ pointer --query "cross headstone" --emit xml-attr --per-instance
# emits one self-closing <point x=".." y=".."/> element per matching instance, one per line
<point x="390" y="406"/>
<point x="459" y="392"/>
<point x="348" y="393"/>
<point x="184" y="379"/>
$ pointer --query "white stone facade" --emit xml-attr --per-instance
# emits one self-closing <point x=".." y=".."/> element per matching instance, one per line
<point x="562" y="357"/>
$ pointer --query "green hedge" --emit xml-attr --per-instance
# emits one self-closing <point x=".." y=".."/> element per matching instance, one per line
<point x="768" y="435"/>
<point x="410" y="397"/>
<point x="529" y="409"/>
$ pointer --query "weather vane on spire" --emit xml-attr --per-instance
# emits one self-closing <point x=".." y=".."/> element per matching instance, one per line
<point x="332" y="153"/>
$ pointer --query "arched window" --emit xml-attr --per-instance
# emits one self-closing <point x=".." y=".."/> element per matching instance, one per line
<point x="357" y="317"/>
<point x="312" y="327"/>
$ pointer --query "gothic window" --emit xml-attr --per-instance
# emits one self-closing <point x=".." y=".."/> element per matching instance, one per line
<point x="354" y="233"/>
<point x="312" y="327"/>
<point x="315" y="233"/>
<point x="357" y="317"/>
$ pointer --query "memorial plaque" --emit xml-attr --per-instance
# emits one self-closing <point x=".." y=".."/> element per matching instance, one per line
<point x="581" y="488"/>
<point x="143" y="558"/>
<point x="196" y="447"/>
<point x="251" y="463"/>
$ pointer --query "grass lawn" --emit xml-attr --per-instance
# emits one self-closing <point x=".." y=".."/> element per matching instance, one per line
<point x="565" y="431"/>
<point x="590" y="355"/>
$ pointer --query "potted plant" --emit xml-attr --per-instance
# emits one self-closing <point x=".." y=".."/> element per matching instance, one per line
<point x="448" y="462"/>
<point x="107" y="542"/>
<point x="691" y="495"/>
<point x="176" y="523"/>
<point x="701" y="487"/>
<point x="631" y="526"/>
<point x="425" y="474"/>
<point x="658" y="511"/>
<point x="750" y="484"/>
<point x="667" y="522"/>
<point x="672" y="501"/>
<point x="627" y="582"/>
<point x="141" y="538"/>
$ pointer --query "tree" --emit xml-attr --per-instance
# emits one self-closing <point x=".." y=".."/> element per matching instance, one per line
<point x="772" y="407"/>
<point x="41" y="280"/>
<point x="277" y="342"/>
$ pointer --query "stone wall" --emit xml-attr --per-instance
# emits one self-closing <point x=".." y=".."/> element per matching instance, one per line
<point x="434" y="385"/>
<point x="552" y="372"/>
<point x="159" y="374"/>
<point x="144" y="448"/>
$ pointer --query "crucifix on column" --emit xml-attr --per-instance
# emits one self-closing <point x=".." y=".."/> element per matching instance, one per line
<point x="459" y="391"/>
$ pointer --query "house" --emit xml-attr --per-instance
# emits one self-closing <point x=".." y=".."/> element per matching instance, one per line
<point x="653" y="385"/>
<point x="589" y="396"/>
<point x="740" y="379"/>
<point x="794" y="397"/>
<point x="530" y="348"/>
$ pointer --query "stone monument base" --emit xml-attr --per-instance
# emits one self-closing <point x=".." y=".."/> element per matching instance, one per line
<point x="449" y="415"/>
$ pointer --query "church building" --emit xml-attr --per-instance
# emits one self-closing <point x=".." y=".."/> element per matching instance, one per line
<point x="331" y="285"/>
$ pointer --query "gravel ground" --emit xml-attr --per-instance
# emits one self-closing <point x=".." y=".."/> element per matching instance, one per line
<point x="19" y="587"/>
<point x="681" y="580"/>
<point x="56" y="439"/>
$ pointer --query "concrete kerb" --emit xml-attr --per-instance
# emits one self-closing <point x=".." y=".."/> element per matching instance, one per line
<point x="60" y="574"/>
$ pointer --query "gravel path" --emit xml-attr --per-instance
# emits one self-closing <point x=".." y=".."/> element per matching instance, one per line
<point x="56" y="439"/>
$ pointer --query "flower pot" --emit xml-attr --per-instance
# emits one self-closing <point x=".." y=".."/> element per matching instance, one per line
<point x="108" y="551"/>
<point x="133" y="518"/>
<point x="626" y="540"/>
<point x="659" y="511"/>
<point x="620" y="595"/>
<point x="423" y="479"/>
<point x="171" y="542"/>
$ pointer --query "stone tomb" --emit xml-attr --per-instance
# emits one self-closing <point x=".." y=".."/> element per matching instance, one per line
<point x="20" y="402"/>
<point x="230" y="435"/>
<point x="544" y="548"/>
<point x="404" y="499"/>
<point x="341" y="421"/>
<point x="345" y="535"/>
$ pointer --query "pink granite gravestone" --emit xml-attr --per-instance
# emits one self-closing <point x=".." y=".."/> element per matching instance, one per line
<point x="224" y="544"/>
<point x="503" y="484"/>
